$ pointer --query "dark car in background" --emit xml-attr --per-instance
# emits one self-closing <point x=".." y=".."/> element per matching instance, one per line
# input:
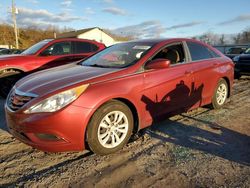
<point x="10" y="51"/>
<point x="232" y="50"/>
<point x="43" y="55"/>
<point x="242" y="64"/>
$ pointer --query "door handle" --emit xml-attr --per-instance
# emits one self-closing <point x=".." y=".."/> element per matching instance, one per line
<point x="215" y="64"/>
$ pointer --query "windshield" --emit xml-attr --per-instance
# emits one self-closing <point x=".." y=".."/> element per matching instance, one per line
<point x="119" y="55"/>
<point x="247" y="51"/>
<point x="33" y="49"/>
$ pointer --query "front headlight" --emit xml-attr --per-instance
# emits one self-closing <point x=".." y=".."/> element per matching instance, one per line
<point x="57" y="101"/>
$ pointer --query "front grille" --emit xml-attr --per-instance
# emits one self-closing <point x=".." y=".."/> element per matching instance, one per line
<point x="17" y="100"/>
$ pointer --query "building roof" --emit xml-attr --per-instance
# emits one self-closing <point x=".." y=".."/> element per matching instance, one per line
<point x="73" y="34"/>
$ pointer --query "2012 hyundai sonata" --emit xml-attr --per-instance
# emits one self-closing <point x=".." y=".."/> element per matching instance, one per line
<point x="103" y="100"/>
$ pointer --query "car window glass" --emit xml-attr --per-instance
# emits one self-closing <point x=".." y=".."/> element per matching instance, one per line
<point x="60" y="48"/>
<point x="220" y="48"/>
<point x="36" y="47"/>
<point x="174" y="53"/>
<point x="213" y="53"/>
<point x="235" y="50"/>
<point x="247" y="51"/>
<point x="119" y="55"/>
<point x="84" y="47"/>
<point x="199" y="52"/>
<point x="5" y="51"/>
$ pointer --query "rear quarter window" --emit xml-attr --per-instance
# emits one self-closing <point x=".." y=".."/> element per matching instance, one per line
<point x="200" y="52"/>
<point x="84" y="47"/>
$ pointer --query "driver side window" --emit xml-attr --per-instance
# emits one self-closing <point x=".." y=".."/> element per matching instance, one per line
<point x="60" y="48"/>
<point x="174" y="53"/>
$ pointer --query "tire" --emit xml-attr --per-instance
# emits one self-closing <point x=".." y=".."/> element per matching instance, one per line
<point x="106" y="135"/>
<point x="220" y="94"/>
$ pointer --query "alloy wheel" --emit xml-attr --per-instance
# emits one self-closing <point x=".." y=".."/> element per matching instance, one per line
<point x="113" y="129"/>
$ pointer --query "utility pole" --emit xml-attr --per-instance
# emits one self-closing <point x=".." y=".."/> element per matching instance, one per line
<point x="14" y="12"/>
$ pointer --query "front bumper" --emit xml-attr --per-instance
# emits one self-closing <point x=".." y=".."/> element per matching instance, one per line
<point x="65" y="129"/>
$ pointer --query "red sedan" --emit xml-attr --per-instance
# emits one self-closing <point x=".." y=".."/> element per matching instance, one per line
<point x="45" y="54"/>
<point x="103" y="100"/>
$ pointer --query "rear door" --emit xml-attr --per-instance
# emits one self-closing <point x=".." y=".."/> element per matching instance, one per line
<point x="81" y="50"/>
<point x="206" y="64"/>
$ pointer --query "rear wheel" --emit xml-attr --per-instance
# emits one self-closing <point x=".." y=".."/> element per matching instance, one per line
<point x="220" y="94"/>
<point x="110" y="128"/>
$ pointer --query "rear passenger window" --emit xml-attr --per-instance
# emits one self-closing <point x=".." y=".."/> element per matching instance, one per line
<point x="84" y="47"/>
<point x="199" y="52"/>
<point x="214" y="54"/>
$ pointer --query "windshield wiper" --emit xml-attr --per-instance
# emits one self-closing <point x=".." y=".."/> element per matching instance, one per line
<point x="97" y="65"/>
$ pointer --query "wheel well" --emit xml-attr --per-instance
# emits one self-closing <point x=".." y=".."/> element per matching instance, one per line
<point x="10" y="72"/>
<point x="134" y="112"/>
<point x="131" y="107"/>
<point x="228" y="84"/>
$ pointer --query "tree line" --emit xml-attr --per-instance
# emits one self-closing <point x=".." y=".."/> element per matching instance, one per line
<point x="27" y="36"/>
<point x="31" y="35"/>
<point x="222" y="39"/>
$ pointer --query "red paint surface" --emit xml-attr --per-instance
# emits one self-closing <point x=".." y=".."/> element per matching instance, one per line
<point x="153" y="93"/>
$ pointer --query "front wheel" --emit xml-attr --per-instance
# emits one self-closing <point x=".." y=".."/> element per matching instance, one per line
<point x="220" y="94"/>
<point x="110" y="128"/>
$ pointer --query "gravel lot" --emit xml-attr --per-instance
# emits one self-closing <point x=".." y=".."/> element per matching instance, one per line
<point x="2" y="119"/>
<point x="202" y="148"/>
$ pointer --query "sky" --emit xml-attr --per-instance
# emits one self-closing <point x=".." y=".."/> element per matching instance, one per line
<point x="140" y="18"/>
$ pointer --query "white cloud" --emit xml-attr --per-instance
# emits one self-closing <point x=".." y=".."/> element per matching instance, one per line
<point x="42" y="17"/>
<point x="66" y="3"/>
<point x="108" y="1"/>
<point x="240" y="18"/>
<point x="148" y="29"/>
<point x="29" y="22"/>
<point x="32" y="1"/>
<point x="89" y="10"/>
<point x="189" y="24"/>
<point x="115" y="11"/>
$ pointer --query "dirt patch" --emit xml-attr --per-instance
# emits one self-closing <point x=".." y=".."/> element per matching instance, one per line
<point x="202" y="148"/>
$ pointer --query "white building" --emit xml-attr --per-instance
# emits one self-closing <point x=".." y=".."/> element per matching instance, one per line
<point x="4" y="46"/>
<point x="94" y="33"/>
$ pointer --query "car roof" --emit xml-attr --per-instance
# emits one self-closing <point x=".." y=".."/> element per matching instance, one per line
<point x="69" y="39"/>
<point x="160" y="40"/>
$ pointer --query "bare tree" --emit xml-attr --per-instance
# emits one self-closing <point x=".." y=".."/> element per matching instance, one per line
<point x="209" y="38"/>
<point x="222" y="39"/>
<point x="245" y="37"/>
<point x="237" y="38"/>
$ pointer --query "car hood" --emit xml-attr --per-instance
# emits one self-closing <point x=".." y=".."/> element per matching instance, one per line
<point x="11" y="56"/>
<point x="245" y="57"/>
<point x="48" y="81"/>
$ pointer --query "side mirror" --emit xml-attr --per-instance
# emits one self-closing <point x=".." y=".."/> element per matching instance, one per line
<point x="46" y="53"/>
<point x="158" y="64"/>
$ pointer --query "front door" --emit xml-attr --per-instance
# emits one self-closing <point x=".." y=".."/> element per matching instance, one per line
<point x="167" y="91"/>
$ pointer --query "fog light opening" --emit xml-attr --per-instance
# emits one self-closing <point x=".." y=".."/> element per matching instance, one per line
<point x="49" y="137"/>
